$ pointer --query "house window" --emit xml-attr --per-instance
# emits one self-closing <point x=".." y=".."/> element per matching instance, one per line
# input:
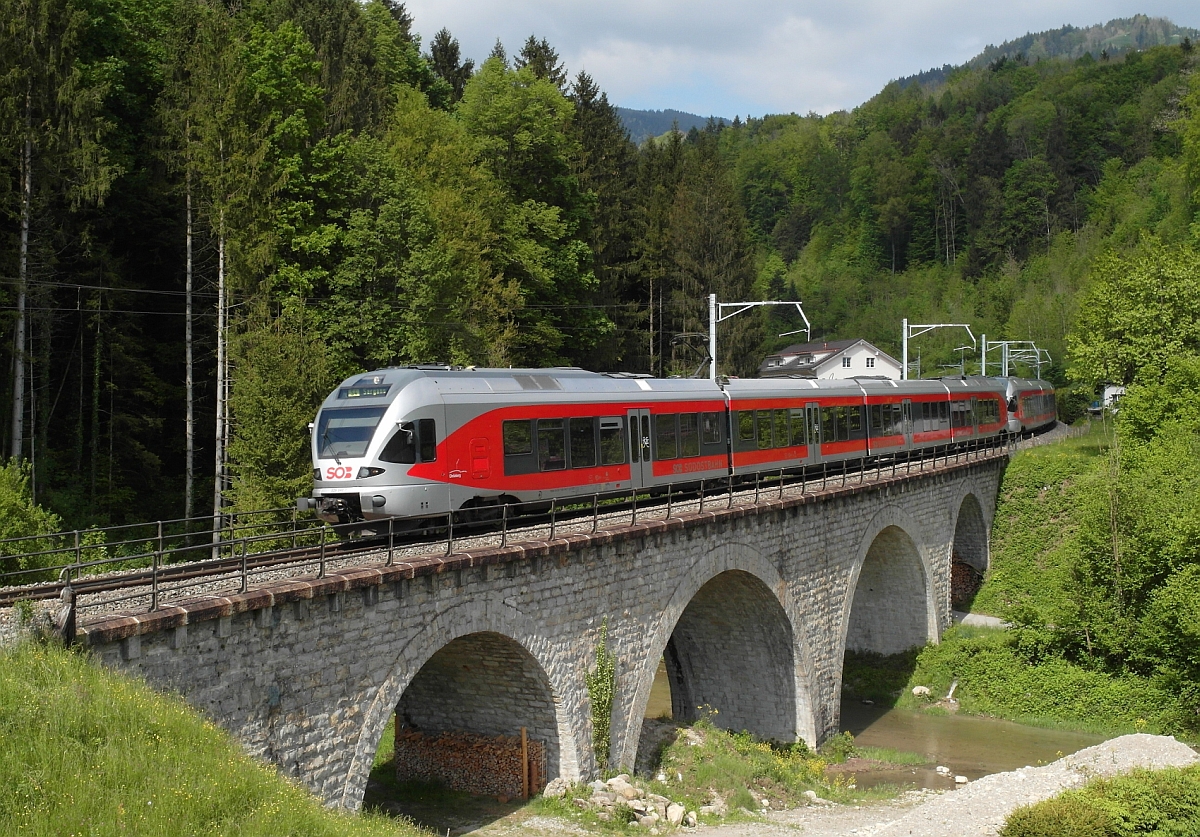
<point x="870" y="363"/>
<point x="845" y="363"/>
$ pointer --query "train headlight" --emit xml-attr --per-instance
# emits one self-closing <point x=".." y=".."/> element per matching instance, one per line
<point x="317" y="474"/>
<point x="365" y="472"/>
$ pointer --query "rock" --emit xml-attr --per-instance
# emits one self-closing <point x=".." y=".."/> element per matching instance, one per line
<point x="648" y="820"/>
<point x="655" y="798"/>
<point x="604" y="816"/>
<point x="675" y="813"/>
<point x="630" y="792"/>
<point x="603" y="799"/>
<point x="690" y="820"/>
<point x="556" y="788"/>
<point x="920" y="691"/>
<point x="598" y="785"/>
<point x="660" y="776"/>
<point x="942" y="770"/>
<point x="811" y="796"/>
<point x="581" y="803"/>
<point x="709" y="810"/>
<point x="960" y="780"/>
<point x="620" y="777"/>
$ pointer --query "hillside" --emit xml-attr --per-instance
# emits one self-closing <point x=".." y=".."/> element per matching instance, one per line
<point x="87" y="751"/>
<point x="1102" y="39"/>
<point x="644" y="124"/>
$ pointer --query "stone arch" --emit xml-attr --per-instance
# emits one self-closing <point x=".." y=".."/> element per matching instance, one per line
<point x="969" y="556"/>
<point x="448" y="639"/>
<point x="971" y="534"/>
<point x="891" y="605"/>
<point x="757" y="618"/>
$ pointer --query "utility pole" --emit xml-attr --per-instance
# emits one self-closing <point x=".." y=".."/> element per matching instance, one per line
<point x="716" y="315"/>
<point x="916" y="330"/>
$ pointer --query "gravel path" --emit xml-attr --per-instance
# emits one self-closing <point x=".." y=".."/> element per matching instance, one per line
<point x="980" y="808"/>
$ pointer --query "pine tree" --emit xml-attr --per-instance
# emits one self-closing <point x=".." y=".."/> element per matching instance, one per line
<point x="607" y="170"/>
<point x="446" y="61"/>
<point x="542" y="61"/>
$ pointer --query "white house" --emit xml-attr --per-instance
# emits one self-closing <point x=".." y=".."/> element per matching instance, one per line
<point x="831" y="359"/>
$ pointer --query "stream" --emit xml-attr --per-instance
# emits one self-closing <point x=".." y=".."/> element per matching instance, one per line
<point x="969" y="746"/>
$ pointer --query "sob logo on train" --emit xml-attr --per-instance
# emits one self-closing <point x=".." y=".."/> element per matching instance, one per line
<point x="339" y="472"/>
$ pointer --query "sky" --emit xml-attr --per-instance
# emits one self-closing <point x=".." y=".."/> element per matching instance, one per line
<point x="750" y="57"/>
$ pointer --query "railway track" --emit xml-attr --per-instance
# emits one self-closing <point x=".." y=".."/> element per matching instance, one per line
<point x="166" y="582"/>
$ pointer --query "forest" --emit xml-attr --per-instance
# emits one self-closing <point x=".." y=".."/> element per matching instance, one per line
<point x="212" y="212"/>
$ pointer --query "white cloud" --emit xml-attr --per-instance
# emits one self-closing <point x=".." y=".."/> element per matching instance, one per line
<point x="726" y="58"/>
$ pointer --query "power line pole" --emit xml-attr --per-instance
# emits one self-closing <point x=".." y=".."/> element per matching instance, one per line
<point x="716" y="315"/>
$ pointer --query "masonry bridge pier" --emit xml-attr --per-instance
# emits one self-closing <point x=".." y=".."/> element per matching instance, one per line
<point x="753" y="608"/>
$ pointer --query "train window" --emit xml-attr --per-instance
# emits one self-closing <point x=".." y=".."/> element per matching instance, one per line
<point x="689" y="435"/>
<point x="781" y="428"/>
<point x="829" y="424"/>
<point x="402" y="447"/>
<point x="960" y="414"/>
<point x="612" y="442"/>
<point x="764" y="429"/>
<point x="518" y="437"/>
<point x="427" y="439"/>
<point x="745" y="425"/>
<point x="855" y="421"/>
<point x="583" y="442"/>
<point x="875" y="417"/>
<point x="552" y="445"/>
<point x="943" y="414"/>
<point x="666" y="445"/>
<point x="645" y="438"/>
<point x="710" y="428"/>
<point x="797" y="421"/>
<point x="347" y="431"/>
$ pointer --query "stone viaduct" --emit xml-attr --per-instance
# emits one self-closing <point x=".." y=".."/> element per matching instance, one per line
<point x="752" y="606"/>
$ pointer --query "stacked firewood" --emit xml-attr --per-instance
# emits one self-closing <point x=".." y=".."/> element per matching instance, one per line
<point x="467" y="761"/>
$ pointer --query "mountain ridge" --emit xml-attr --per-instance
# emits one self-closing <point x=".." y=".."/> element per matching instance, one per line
<point x="1101" y="40"/>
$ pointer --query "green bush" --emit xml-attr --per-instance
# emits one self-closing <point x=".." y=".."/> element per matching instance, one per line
<point x="1143" y="802"/>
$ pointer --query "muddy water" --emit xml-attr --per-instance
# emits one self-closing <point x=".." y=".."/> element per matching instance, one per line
<point x="969" y="746"/>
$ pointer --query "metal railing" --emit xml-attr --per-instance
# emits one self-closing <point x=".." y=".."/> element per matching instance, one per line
<point x="142" y="567"/>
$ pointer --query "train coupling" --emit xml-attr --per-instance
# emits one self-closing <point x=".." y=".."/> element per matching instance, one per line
<point x="329" y="509"/>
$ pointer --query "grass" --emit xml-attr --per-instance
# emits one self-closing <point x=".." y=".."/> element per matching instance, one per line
<point x="86" y="751"/>
<point x="1036" y="525"/>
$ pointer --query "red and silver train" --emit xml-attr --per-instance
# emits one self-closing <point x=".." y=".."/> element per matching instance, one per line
<point x="412" y="442"/>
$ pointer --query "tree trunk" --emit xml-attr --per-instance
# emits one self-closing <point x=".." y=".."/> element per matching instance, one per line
<point x="219" y="456"/>
<point x="189" y="382"/>
<point x="17" y="450"/>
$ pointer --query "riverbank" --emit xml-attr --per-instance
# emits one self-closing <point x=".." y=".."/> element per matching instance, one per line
<point x="980" y="808"/>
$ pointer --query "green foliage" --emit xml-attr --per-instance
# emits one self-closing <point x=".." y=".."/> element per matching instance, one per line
<point x="21" y="517"/>
<point x="1142" y="310"/>
<point x="1002" y="674"/>
<point x="287" y="375"/>
<point x="1142" y="802"/>
<point x="85" y="750"/>
<point x="601" y="682"/>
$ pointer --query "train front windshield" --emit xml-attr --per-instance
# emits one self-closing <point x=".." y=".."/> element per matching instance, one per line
<point x="346" y="432"/>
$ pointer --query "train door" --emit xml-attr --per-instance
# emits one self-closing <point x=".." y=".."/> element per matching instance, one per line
<point x="812" y="419"/>
<point x="641" y="469"/>
<point x="908" y="424"/>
